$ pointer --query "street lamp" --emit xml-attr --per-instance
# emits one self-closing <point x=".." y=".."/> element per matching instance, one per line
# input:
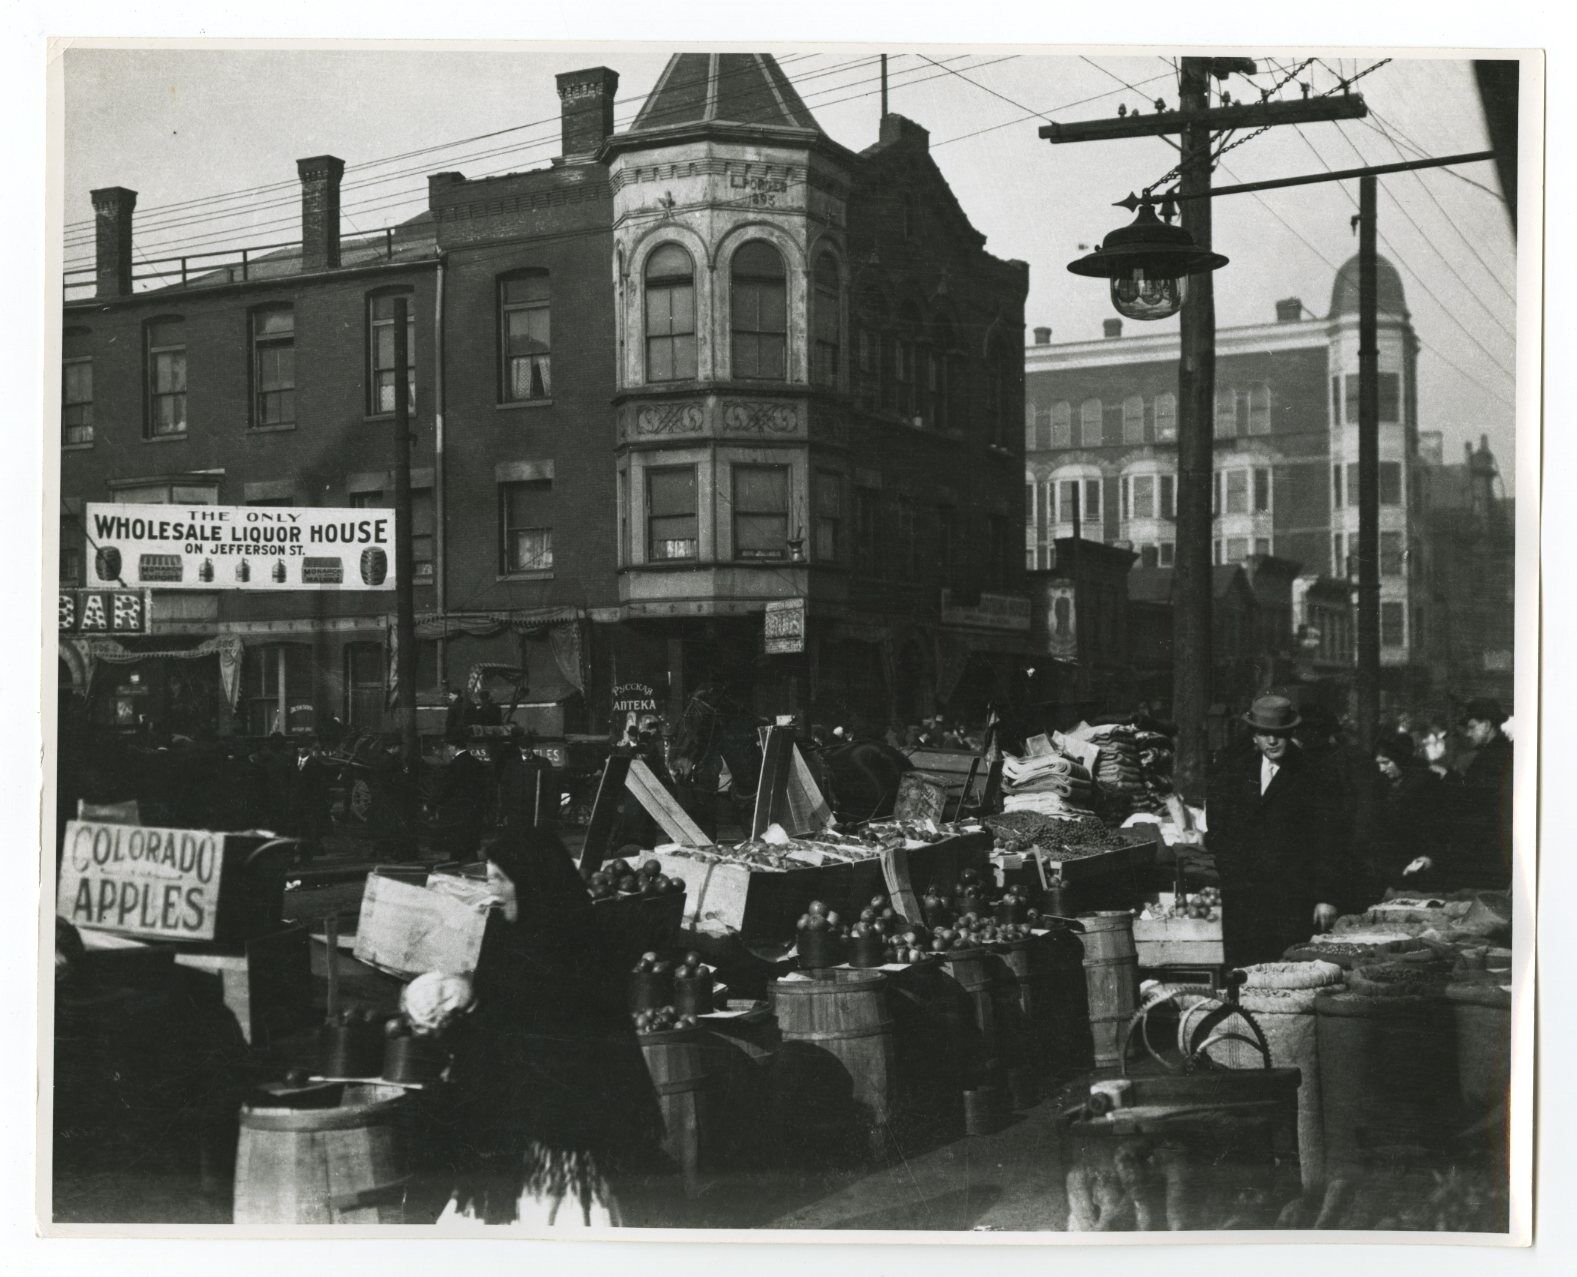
<point x="1148" y="263"/>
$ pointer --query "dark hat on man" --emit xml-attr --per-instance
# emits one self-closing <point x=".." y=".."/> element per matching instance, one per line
<point x="1397" y="746"/>
<point x="1482" y="709"/>
<point x="1272" y="714"/>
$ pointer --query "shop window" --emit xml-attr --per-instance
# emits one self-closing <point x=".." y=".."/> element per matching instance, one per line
<point x="671" y="524"/>
<point x="670" y="315"/>
<point x="829" y="516"/>
<point x="1166" y="418"/>
<point x="526" y="526"/>
<point x="76" y="401"/>
<point x="274" y="367"/>
<point x="382" y="352"/>
<point x="166" y="350"/>
<point x="1090" y="423"/>
<point x="761" y="506"/>
<point x="1062" y="424"/>
<point x="826" y="344"/>
<point x="758" y="307"/>
<point x="525" y="328"/>
<point x="365" y="689"/>
<point x="1133" y="419"/>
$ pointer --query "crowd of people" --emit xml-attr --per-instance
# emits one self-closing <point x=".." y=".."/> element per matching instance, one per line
<point x="1304" y="825"/>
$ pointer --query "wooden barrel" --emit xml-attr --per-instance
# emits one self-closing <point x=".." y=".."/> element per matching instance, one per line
<point x="343" y="1165"/>
<point x="932" y="1020"/>
<point x="1069" y="1008"/>
<point x="1027" y="980"/>
<point x="677" y="1061"/>
<point x="976" y="972"/>
<point x="1111" y="975"/>
<point x="739" y="1052"/>
<point x="835" y="1074"/>
<point x="1387" y="1077"/>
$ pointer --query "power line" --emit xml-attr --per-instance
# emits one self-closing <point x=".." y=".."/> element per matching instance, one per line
<point x="1417" y="278"/>
<point x="405" y="155"/>
<point x="1037" y="115"/>
<point x="379" y="203"/>
<point x="174" y="214"/>
<point x="1381" y="125"/>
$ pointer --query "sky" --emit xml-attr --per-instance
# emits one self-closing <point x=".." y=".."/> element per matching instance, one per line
<point x="196" y="132"/>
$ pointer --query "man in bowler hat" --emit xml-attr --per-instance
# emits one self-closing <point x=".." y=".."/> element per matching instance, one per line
<point x="1280" y="837"/>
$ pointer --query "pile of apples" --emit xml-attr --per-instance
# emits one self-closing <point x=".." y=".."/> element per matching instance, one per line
<point x="619" y="878"/>
<point x="900" y="941"/>
<point x="817" y="917"/>
<point x="975" y="931"/>
<point x="1203" y="904"/>
<point x="649" y="963"/>
<point x="662" y="1020"/>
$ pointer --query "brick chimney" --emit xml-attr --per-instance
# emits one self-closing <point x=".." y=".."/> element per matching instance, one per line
<point x="1112" y="327"/>
<point x="320" y="178"/>
<point x="1289" y="310"/>
<point x="587" y="110"/>
<point x="112" y="209"/>
<point x="1043" y="336"/>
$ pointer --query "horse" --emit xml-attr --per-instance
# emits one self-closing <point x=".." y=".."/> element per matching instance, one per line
<point x="859" y="779"/>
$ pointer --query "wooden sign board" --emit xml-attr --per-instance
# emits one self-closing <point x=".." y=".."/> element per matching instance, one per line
<point x="159" y="883"/>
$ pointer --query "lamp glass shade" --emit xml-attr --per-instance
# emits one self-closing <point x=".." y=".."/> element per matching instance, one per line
<point x="1137" y="294"/>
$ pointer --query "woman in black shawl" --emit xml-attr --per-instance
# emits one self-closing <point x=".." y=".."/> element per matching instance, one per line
<point x="556" y="1104"/>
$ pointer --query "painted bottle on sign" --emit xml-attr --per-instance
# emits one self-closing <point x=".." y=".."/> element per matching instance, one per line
<point x="243" y="571"/>
<point x="279" y="571"/>
<point x="206" y="571"/>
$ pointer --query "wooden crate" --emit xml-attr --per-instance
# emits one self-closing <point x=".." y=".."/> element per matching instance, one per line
<point x="1179" y="942"/>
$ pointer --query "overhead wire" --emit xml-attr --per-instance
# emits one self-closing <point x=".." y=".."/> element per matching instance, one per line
<point x="172" y="220"/>
<point x="385" y="202"/>
<point x="1422" y="283"/>
<point x="426" y="150"/>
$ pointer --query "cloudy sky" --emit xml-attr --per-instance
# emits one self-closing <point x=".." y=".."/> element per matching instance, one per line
<point x="209" y="139"/>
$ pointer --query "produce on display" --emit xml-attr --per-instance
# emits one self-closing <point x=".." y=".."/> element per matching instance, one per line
<point x="664" y="1019"/>
<point x="620" y="878"/>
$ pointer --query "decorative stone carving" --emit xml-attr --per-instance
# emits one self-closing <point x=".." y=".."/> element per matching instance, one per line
<point x="669" y="419"/>
<point x="760" y="417"/>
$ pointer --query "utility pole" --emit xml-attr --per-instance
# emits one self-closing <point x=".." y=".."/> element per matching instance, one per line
<point x="404" y="590"/>
<point x="1368" y="468"/>
<point x="1196" y="472"/>
<point x="1194" y="121"/>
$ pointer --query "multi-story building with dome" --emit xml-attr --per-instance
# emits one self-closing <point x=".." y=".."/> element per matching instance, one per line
<point x="1101" y="446"/>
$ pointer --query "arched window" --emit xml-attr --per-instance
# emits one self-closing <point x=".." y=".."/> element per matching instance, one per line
<point x="1133" y="419"/>
<point x="827" y="348"/>
<point x="1090" y="423"/>
<point x="525" y="336"/>
<point x="670" y="315"/>
<point x="758" y="305"/>
<point x="1062" y="424"/>
<point x="1165" y="409"/>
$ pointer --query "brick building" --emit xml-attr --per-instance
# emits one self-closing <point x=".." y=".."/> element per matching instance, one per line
<point x="709" y="362"/>
<point x="1101" y="438"/>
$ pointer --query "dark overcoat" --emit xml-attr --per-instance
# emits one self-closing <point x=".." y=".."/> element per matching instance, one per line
<point x="1278" y="854"/>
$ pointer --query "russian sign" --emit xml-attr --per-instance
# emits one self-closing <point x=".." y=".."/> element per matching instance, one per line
<point x="103" y="611"/>
<point x="993" y="612"/>
<point x="784" y="626"/>
<point x="148" y="882"/>
<point x="217" y="547"/>
<point x="632" y="702"/>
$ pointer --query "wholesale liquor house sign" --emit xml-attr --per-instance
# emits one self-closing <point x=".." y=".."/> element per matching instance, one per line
<point x="217" y="547"/>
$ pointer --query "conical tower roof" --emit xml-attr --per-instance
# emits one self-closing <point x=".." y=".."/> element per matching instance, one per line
<point x="745" y="89"/>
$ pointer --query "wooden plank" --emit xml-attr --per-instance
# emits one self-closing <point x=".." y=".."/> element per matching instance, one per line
<point x="662" y="807"/>
<point x="900" y="886"/>
<point x="1240" y="116"/>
